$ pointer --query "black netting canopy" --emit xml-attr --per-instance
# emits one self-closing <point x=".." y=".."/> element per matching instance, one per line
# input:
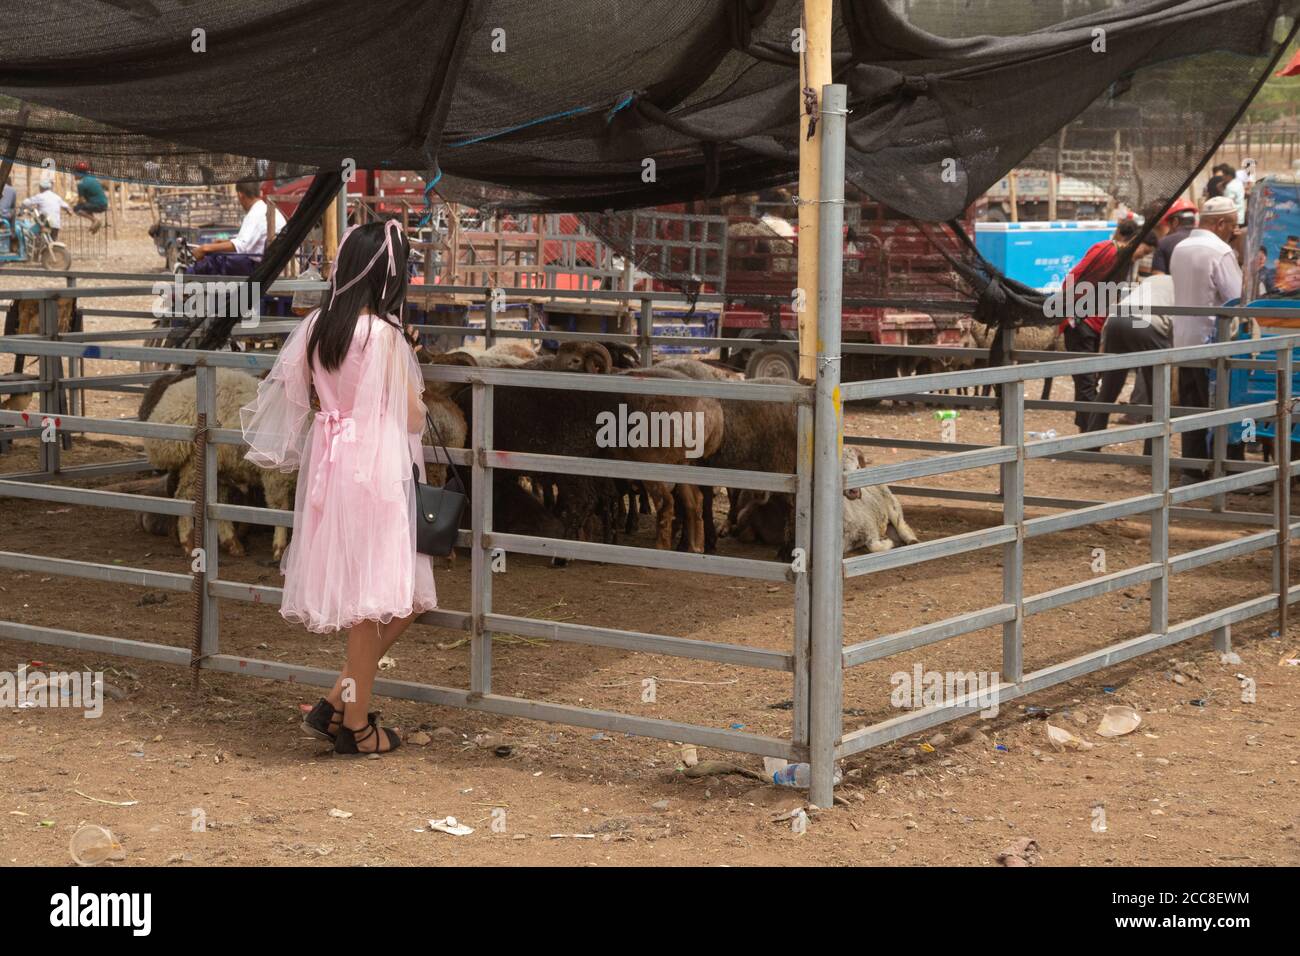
<point x="558" y="105"/>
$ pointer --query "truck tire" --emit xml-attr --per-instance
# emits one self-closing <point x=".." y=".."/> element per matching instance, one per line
<point x="771" y="363"/>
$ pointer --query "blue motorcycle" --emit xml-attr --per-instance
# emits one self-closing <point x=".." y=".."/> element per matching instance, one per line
<point x="28" y="238"/>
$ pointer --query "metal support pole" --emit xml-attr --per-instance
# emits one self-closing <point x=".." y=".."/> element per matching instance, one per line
<point x="1160" y="450"/>
<point x="645" y="328"/>
<point x="1013" y="513"/>
<point x="51" y="367"/>
<point x="489" y="321"/>
<point x="1219" y="446"/>
<point x="1282" y="490"/>
<point x="802" y="582"/>
<point x="480" y="653"/>
<point x="204" y="546"/>
<point x="827" y="620"/>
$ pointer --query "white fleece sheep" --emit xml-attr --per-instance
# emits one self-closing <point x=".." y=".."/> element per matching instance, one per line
<point x="177" y="407"/>
<point x="507" y="354"/>
<point x="869" y="512"/>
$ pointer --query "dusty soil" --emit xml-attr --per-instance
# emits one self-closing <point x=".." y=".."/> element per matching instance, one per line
<point x="1209" y="783"/>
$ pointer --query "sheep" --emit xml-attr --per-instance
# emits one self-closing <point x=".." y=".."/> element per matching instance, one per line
<point x="24" y="318"/>
<point x="1030" y="338"/>
<point x="756" y="436"/>
<point x="507" y="354"/>
<point x="695" y="501"/>
<point x="590" y="357"/>
<point x="872" y="515"/>
<point x="446" y="415"/>
<point x="176" y="406"/>
<point x="761" y="517"/>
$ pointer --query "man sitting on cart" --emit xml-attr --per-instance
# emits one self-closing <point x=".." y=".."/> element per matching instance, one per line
<point x="92" y="201"/>
<point x="238" y="256"/>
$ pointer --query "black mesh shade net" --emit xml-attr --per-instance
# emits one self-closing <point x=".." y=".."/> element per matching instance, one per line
<point x="536" y="106"/>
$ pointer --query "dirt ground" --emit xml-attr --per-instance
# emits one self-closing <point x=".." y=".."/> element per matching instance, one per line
<point x="1207" y="779"/>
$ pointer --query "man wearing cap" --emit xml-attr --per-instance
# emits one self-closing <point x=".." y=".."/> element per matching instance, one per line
<point x="1181" y="220"/>
<point x="1206" y="274"/>
<point x="91" y="198"/>
<point x="50" y="204"/>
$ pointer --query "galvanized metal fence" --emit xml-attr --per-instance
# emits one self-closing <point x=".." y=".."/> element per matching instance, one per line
<point x="816" y="657"/>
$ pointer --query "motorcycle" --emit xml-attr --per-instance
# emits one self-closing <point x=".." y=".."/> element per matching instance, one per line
<point x="29" y="239"/>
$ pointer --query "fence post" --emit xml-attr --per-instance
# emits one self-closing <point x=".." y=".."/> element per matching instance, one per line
<point x="1013" y="513"/>
<point x="1160" y="450"/>
<point x="802" y="582"/>
<point x="480" y="654"/>
<point x="1282" y="491"/>
<point x="204" y="545"/>
<point x="1219" y="436"/>
<point x="645" y="329"/>
<point x="827" y="621"/>
<point x="489" y="321"/>
<point x="51" y="367"/>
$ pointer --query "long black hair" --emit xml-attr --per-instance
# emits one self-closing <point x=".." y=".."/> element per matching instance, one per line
<point x="362" y="254"/>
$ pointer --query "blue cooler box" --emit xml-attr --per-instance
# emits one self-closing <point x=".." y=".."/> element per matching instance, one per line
<point x="1039" y="254"/>
<point x="1247" y="386"/>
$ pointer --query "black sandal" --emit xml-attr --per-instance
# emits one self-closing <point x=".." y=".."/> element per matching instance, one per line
<point x="318" y="720"/>
<point x="347" y="740"/>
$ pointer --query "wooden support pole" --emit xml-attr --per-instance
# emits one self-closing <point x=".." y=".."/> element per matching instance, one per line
<point x="814" y="73"/>
<point x="330" y="234"/>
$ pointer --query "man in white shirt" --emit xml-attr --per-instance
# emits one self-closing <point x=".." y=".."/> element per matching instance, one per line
<point x="1206" y="274"/>
<point x="251" y="239"/>
<point x="51" y="204"/>
<point x="1235" y="189"/>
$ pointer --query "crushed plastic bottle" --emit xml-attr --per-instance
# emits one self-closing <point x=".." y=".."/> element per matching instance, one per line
<point x="799" y="775"/>
<point x="1042" y="436"/>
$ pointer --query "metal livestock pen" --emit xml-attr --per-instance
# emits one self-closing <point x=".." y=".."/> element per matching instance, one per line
<point x="816" y="657"/>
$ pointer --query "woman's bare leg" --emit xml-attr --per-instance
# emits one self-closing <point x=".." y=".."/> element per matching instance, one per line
<point x="365" y="648"/>
<point x="376" y="642"/>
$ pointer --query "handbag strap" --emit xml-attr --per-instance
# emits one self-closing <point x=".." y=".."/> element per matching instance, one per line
<point x="428" y="420"/>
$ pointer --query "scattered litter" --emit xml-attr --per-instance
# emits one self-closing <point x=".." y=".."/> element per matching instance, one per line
<point x="573" y="836"/>
<point x="599" y="736"/>
<point x="1064" y="740"/>
<point x="737" y="726"/>
<point x="1004" y="748"/>
<point x="1024" y="852"/>
<point x="1108" y="690"/>
<point x="927" y="748"/>
<point x="1199" y="702"/>
<point x="340" y="814"/>
<point x="1118" y="721"/>
<point x="505" y="750"/>
<point x="690" y="756"/>
<point x="449" y="825"/>
<point x="92" y="845"/>
<point x="1231" y="657"/>
<point x="419" y="738"/>
<point x="387" y="663"/>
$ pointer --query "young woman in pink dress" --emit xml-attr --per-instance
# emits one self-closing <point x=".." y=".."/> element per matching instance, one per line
<point x="342" y="407"/>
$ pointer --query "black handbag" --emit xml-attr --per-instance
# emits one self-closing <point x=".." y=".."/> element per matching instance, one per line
<point x="437" y="510"/>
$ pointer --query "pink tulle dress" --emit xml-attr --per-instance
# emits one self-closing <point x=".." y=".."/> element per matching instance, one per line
<point x="352" y="557"/>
